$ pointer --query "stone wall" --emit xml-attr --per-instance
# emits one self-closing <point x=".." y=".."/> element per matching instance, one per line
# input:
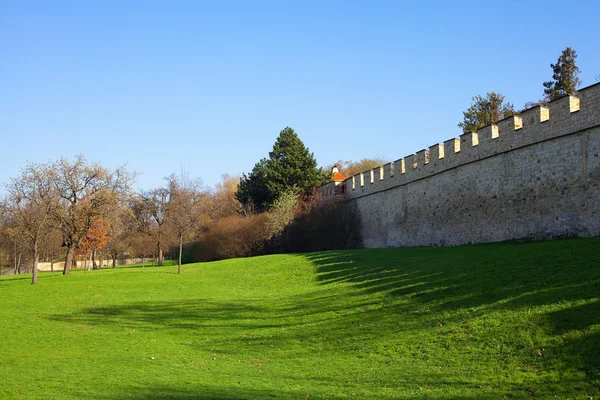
<point x="535" y="175"/>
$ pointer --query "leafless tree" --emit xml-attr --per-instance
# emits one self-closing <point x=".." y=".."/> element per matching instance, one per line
<point x="86" y="191"/>
<point x="6" y="244"/>
<point x="51" y="245"/>
<point x="120" y="234"/>
<point x="12" y="241"/>
<point x="30" y="201"/>
<point x="184" y="207"/>
<point x="222" y="202"/>
<point x="151" y="209"/>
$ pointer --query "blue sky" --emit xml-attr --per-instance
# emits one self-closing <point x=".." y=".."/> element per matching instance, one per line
<point x="207" y="86"/>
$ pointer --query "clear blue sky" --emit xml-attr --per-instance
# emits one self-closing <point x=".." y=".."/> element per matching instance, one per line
<point x="208" y="85"/>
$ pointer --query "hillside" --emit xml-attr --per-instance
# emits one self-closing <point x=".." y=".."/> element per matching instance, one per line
<point x="492" y="321"/>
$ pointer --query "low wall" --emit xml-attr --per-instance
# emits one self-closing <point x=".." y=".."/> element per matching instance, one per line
<point x="59" y="266"/>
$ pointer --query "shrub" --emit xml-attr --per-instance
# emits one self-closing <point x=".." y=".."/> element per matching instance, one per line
<point x="230" y="237"/>
<point x="282" y="214"/>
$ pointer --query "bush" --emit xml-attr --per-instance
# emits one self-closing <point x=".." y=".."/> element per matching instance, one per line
<point x="282" y="213"/>
<point x="231" y="237"/>
<point x="293" y="225"/>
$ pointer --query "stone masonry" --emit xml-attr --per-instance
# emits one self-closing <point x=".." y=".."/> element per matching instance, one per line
<point x="532" y="176"/>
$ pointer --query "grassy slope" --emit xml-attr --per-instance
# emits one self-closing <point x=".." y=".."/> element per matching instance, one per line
<point x="483" y="321"/>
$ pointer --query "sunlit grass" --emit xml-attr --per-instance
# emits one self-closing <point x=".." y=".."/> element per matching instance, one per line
<point x="485" y="321"/>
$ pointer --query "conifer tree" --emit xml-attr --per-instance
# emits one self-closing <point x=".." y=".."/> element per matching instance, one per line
<point x="484" y="111"/>
<point x="564" y="76"/>
<point x="252" y="190"/>
<point x="289" y="168"/>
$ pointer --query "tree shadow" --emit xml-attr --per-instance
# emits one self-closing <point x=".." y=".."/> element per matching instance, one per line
<point x="229" y="391"/>
<point x="43" y="275"/>
<point x="562" y="275"/>
<point x="499" y="275"/>
<point x="184" y="314"/>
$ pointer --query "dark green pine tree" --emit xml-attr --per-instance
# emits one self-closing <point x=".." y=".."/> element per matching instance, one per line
<point x="290" y="167"/>
<point x="252" y="191"/>
<point x="565" y="76"/>
<point x="484" y="111"/>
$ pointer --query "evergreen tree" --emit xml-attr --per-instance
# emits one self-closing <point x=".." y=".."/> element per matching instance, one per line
<point x="289" y="168"/>
<point x="565" y="76"/>
<point x="252" y="191"/>
<point x="484" y="111"/>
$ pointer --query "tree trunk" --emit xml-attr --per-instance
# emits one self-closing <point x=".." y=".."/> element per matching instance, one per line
<point x="94" y="265"/>
<point x="68" y="261"/>
<point x="15" y="257"/>
<point x="51" y="264"/>
<point x="160" y="255"/>
<point x="180" y="251"/>
<point x="19" y="263"/>
<point x="114" y="261"/>
<point x="36" y="258"/>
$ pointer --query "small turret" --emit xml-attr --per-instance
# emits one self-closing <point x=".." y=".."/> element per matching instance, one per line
<point x="336" y="176"/>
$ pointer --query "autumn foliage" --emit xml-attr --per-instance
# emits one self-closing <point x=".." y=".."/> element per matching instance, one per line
<point x="96" y="236"/>
<point x="233" y="236"/>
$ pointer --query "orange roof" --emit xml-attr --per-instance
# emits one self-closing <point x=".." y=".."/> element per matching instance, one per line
<point x="337" y="177"/>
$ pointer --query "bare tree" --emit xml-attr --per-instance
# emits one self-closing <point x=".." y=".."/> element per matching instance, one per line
<point x="120" y="233"/>
<point x="184" y="211"/>
<point x="143" y="246"/>
<point x="222" y="202"/>
<point x="86" y="191"/>
<point x="51" y="244"/>
<point x="7" y="243"/>
<point x="13" y="242"/>
<point x="30" y="201"/>
<point x="150" y="209"/>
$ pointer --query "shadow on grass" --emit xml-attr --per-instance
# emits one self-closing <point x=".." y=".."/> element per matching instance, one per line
<point x="562" y="274"/>
<point x="496" y="274"/>
<point x="230" y="391"/>
<point x="43" y="275"/>
<point x="189" y="314"/>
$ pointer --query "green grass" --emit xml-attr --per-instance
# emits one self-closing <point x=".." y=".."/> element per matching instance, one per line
<point x="482" y="322"/>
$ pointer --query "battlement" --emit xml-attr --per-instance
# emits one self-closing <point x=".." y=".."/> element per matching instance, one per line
<point x="562" y="117"/>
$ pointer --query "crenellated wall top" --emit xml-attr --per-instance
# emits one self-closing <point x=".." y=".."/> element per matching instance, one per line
<point x="561" y="117"/>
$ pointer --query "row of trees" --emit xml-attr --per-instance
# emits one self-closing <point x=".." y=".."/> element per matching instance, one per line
<point x="76" y="209"/>
<point x="492" y="108"/>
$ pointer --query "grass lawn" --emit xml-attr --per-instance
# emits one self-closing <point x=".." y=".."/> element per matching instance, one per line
<point x="482" y="322"/>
